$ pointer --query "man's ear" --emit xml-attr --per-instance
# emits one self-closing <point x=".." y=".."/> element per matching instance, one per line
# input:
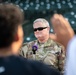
<point x="16" y="37"/>
<point x="48" y="29"/>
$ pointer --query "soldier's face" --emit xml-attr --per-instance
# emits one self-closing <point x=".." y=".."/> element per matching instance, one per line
<point x="40" y="30"/>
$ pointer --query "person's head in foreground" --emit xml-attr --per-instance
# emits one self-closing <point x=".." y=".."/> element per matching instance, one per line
<point x="11" y="33"/>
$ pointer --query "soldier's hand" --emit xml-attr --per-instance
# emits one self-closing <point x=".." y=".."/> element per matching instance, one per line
<point x="62" y="29"/>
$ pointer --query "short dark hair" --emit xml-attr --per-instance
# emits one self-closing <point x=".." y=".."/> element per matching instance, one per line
<point x="10" y="18"/>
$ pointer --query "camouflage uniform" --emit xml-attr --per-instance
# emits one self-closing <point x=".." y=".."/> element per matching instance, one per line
<point x="50" y="52"/>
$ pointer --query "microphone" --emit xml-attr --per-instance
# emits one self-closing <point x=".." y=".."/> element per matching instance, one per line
<point x="34" y="49"/>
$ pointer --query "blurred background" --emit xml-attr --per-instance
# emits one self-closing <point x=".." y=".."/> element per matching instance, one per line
<point x="34" y="9"/>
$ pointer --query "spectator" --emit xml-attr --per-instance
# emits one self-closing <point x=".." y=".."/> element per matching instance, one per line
<point x="63" y="29"/>
<point x="11" y="38"/>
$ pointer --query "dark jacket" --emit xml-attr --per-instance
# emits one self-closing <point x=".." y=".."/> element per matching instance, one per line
<point x="15" y="65"/>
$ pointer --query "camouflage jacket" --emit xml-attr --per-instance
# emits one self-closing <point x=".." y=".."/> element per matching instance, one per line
<point x="51" y="53"/>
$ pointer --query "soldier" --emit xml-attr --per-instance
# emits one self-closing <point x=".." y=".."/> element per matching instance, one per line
<point x="44" y="48"/>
